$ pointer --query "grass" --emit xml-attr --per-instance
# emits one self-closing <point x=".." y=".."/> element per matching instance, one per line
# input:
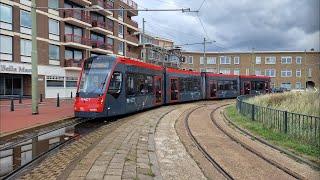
<point x="298" y="102"/>
<point x="312" y="152"/>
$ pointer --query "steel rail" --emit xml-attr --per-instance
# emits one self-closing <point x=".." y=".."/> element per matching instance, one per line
<point x="252" y="150"/>
<point x="202" y="149"/>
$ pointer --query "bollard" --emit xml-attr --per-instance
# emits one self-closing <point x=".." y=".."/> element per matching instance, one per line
<point x="20" y="99"/>
<point x="40" y="97"/>
<point x="12" y="105"/>
<point x="71" y="95"/>
<point x="58" y="100"/>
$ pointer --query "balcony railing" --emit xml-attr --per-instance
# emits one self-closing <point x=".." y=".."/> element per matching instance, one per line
<point x="73" y="62"/>
<point x="131" y="4"/>
<point x="77" y="39"/>
<point x="131" y="22"/>
<point x="102" y="45"/>
<point x="103" y="4"/>
<point x="77" y="14"/>
<point x="103" y="25"/>
<point x="132" y="38"/>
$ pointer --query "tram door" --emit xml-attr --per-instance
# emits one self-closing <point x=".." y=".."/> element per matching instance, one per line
<point x="247" y="87"/>
<point x="174" y="91"/>
<point x="158" y="89"/>
<point x="213" y="88"/>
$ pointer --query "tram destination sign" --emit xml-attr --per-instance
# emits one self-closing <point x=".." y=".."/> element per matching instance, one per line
<point x="16" y="69"/>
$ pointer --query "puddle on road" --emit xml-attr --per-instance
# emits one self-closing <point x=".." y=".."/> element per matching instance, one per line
<point x="14" y="156"/>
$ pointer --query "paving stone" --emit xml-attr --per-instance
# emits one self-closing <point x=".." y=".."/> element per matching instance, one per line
<point x="108" y="177"/>
<point x="114" y="171"/>
<point x="144" y="177"/>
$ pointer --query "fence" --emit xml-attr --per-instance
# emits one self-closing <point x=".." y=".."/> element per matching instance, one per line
<point x="300" y="126"/>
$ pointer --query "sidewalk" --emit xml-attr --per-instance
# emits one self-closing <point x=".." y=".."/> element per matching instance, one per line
<point x="21" y="118"/>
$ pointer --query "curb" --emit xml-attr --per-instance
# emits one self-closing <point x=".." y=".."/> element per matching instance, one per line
<point x="263" y="141"/>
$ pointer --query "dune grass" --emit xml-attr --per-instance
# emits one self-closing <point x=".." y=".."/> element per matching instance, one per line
<point x="311" y="151"/>
<point x="298" y="102"/>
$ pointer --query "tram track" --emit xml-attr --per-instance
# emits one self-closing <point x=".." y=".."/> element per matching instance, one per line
<point x="216" y="162"/>
<point x="252" y="150"/>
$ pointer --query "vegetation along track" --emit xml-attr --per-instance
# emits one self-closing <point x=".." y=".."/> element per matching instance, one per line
<point x="216" y="161"/>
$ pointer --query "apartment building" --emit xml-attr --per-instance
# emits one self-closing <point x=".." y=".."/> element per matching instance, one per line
<point x="288" y="69"/>
<point x="65" y="37"/>
<point x="157" y="50"/>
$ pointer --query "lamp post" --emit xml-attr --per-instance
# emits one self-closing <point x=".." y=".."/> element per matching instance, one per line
<point x="34" y="60"/>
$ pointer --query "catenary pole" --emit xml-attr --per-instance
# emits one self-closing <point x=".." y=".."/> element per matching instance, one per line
<point x="34" y="60"/>
<point x="204" y="50"/>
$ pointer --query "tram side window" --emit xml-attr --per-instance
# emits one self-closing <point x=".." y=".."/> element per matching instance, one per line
<point x="189" y="84"/>
<point x="258" y="85"/>
<point x="139" y="84"/>
<point x="227" y="85"/>
<point x="115" y="83"/>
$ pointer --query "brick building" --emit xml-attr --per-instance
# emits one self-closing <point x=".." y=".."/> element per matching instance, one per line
<point x="288" y="69"/>
<point x="64" y="39"/>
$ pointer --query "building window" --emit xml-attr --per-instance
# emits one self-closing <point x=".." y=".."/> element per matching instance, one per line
<point x="298" y="59"/>
<point x="55" y="81"/>
<point x="202" y="70"/>
<point x="298" y="73"/>
<point x="247" y="71"/>
<point x="298" y="85"/>
<point x="258" y="60"/>
<point x="211" y="60"/>
<point x="25" y="22"/>
<point x="236" y="71"/>
<point x="212" y="70"/>
<point x="190" y="60"/>
<point x="53" y="52"/>
<point x="201" y="60"/>
<point x="5" y="48"/>
<point x="120" y="31"/>
<point x="286" y="60"/>
<point x="270" y="60"/>
<point x="270" y="72"/>
<point x="5" y="17"/>
<point x="73" y="54"/>
<point x="121" y="48"/>
<point x="257" y="72"/>
<point x="286" y="73"/>
<point x="225" y="60"/>
<point x="225" y="71"/>
<point x="286" y="85"/>
<point x="53" y="4"/>
<point x="25" y="47"/>
<point x="54" y="27"/>
<point x="71" y="82"/>
<point x="54" y="30"/>
<point x="310" y="72"/>
<point x="121" y="14"/>
<point x="236" y="60"/>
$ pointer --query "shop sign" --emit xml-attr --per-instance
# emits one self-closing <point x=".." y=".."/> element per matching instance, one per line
<point x="16" y="69"/>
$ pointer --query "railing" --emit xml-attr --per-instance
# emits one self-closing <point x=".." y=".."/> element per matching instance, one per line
<point x="73" y="62"/>
<point x="299" y="126"/>
<point x="132" y="38"/>
<point x="101" y="45"/>
<point x="103" y="25"/>
<point x="102" y="3"/>
<point x="76" y="39"/>
<point x="131" y="4"/>
<point x="77" y="14"/>
<point x="131" y="22"/>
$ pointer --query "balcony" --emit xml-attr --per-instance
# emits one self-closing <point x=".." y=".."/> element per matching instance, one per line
<point x="74" y="64"/>
<point x="102" y="47"/>
<point x="129" y="4"/>
<point x="132" y="23"/>
<point x="77" y="17"/>
<point x="77" y="41"/>
<point x="103" y="5"/>
<point x="102" y="27"/>
<point x="133" y="39"/>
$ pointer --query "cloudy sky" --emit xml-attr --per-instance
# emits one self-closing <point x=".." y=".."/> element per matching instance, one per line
<point x="237" y="24"/>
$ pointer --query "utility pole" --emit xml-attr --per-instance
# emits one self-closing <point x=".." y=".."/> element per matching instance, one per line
<point x="204" y="50"/>
<point x="144" y="50"/>
<point x="34" y="60"/>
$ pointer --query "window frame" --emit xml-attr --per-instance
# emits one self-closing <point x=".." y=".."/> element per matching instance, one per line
<point x="214" y="60"/>
<point x="260" y="59"/>
<point x="21" y="24"/>
<point x="58" y="28"/>
<point x="25" y="54"/>
<point x="238" y="60"/>
<point x="298" y="71"/>
<point x="298" y="57"/>
<point x="4" y="21"/>
<point x="56" y="58"/>
<point x="286" y="73"/>
<point x="269" y="70"/>
<point x="286" y="59"/>
<point x="190" y="58"/>
<point x="271" y="57"/>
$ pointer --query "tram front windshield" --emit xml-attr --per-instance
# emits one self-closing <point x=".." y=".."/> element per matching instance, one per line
<point x="94" y="76"/>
